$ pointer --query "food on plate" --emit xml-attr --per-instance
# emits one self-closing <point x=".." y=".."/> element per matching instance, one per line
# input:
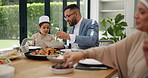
<point x="46" y="51"/>
<point x="11" y="54"/>
<point x="5" y="61"/>
<point x="60" y="66"/>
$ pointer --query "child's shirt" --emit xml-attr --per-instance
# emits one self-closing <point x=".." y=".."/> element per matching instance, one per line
<point x="39" y="39"/>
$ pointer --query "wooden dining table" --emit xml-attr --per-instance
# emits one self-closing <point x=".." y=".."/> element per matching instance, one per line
<point x="29" y="68"/>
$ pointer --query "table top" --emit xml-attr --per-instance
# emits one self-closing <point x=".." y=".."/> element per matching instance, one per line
<point x="28" y="68"/>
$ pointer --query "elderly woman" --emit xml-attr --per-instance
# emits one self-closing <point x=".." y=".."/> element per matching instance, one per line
<point x="127" y="55"/>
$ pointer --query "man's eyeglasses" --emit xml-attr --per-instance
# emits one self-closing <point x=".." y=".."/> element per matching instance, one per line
<point x="66" y="17"/>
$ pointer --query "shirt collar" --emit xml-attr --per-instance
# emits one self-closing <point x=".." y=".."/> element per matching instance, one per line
<point x="78" y="24"/>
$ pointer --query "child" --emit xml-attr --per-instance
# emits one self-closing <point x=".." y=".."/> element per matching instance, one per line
<point x="40" y="38"/>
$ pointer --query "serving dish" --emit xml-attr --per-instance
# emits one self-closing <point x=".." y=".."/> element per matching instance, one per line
<point x="6" y="71"/>
<point x="42" y="53"/>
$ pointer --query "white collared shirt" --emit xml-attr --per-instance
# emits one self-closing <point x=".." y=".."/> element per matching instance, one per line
<point x="76" y="31"/>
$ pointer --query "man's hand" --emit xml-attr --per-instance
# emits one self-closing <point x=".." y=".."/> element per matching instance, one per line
<point x="62" y="35"/>
<point x="145" y="48"/>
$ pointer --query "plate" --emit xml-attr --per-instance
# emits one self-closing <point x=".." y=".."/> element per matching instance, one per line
<point x="11" y="54"/>
<point x="34" y="47"/>
<point x="36" y="57"/>
<point x="65" y="50"/>
<point x="70" y="50"/>
<point x="55" y="44"/>
<point x="90" y="62"/>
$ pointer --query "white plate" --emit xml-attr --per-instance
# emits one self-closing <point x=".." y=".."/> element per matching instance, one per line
<point x="55" y="44"/>
<point x="11" y="54"/>
<point x="65" y="50"/>
<point x="70" y="50"/>
<point x="34" y="47"/>
<point x="90" y="62"/>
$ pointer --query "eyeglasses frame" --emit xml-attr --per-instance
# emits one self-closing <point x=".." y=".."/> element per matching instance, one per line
<point x="66" y="17"/>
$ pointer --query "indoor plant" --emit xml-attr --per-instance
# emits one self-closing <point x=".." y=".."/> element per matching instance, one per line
<point x="114" y="28"/>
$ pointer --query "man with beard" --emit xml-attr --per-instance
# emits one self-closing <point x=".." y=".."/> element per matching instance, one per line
<point x="83" y="32"/>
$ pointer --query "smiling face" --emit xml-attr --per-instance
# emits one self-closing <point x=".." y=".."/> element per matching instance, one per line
<point x="44" y="29"/>
<point x="141" y="17"/>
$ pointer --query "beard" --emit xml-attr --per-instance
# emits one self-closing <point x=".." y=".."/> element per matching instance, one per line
<point x="74" y="22"/>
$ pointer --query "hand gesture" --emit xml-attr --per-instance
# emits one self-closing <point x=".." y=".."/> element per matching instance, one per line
<point x="72" y="58"/>
<point x="62" y="35"/>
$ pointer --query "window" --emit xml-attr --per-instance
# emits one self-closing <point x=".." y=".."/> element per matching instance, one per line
<point x="35" y="9"/>
<point x="19" y="18"/>
<point x="9" y="23"/>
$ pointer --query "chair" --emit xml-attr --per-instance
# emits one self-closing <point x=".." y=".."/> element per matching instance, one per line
<point x="105" y="42"/>
<point x="24" y="45"/>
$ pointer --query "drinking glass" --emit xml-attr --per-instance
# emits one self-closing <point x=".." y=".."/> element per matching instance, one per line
<point x="74" y="47"/>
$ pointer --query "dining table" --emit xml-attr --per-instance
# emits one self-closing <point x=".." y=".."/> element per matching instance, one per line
<point x="30" y="68"/>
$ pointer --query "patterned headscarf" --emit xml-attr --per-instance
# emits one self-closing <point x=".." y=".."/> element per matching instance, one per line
<point x="145" y="2"/>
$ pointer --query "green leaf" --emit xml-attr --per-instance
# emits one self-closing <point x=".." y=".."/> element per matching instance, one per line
<point x="103" y="38"/>
<point x="110" y="31"/>
<point x="118" y="18"/>
<point x="109" y="20"/>
<point x="122" y="24"/>
<point x="119" y="33"/>
<point x="105" y="33"/>
<point x="104" y="23"/>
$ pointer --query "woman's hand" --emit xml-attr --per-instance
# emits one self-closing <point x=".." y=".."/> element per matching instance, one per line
<point x="145" y="48"/>
<point x="72" y="58"/>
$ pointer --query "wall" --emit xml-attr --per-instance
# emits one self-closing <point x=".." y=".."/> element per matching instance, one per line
<point x="129" y="13"/>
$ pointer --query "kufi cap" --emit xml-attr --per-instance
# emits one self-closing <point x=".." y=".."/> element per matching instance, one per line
<point x="44" y="19"/>
<point x="145" y="2"/>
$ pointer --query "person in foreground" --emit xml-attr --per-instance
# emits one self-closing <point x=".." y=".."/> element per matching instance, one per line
<point x="127" y="55"/>
<point x="145" y="48"/>
<point x="40" y="38"/>
<point x="82" y="31"/>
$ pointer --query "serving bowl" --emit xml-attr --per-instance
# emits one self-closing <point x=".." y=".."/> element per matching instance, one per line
<point x="42" y="54"/>
<point x="6" y="71"/>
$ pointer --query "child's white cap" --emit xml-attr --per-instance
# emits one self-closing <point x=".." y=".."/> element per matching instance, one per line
<point x="145" y="2"/>
<point x="44" y="19"/>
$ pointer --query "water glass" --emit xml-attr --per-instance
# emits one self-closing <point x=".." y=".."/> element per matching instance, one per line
<point x="74" y="47"/>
